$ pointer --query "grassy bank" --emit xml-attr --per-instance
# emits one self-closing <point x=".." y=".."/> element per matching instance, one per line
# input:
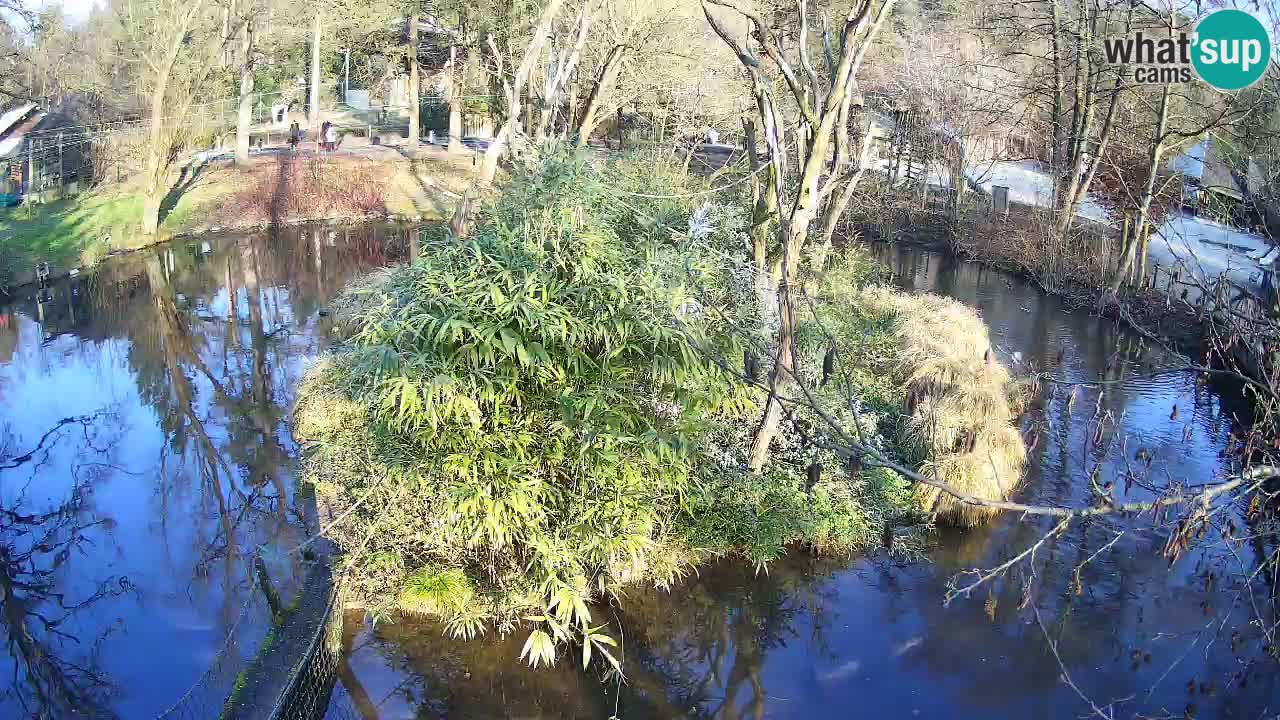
<point x="78" y="231"/>
<point x="529" y="420"/>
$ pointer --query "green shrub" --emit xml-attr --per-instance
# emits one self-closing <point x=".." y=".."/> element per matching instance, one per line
<point x="547" y="408"/>
<point x="540" y="413"/>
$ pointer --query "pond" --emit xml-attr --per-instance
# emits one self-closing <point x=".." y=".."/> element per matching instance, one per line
<point x="871" y="635"/>
<point x="146" y="458"/>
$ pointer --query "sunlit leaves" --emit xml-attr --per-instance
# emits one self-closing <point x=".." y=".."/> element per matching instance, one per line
<point x="550" y="402"/>
<point x="539" y="649"/>
<point x="593" y="639"/>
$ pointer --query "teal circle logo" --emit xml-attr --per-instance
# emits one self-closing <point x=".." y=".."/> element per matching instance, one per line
<point x="1232" y="49"/>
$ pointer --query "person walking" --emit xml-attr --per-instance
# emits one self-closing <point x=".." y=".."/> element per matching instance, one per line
<point x="331" y="137"/>
<point x="322" y="137"/>
<point x="295" y="136"/>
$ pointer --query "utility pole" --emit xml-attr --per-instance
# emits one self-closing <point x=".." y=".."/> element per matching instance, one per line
<point x="415" y="105"/>
<point x="31" y="172"/>
<point x="62" y="183"/>
<point x="346" y="74"/>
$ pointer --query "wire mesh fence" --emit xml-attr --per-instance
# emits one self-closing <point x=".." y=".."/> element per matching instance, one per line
<point x="279" y="667"/>
<point x="205" y="698"/>
<point x="312" y="680"/>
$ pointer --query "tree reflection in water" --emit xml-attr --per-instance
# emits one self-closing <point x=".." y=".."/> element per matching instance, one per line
<point x="56" y="671"/>
<point x="699" y="651"/>
<point x="200" y="343"/>
<point x="834" y="637"/>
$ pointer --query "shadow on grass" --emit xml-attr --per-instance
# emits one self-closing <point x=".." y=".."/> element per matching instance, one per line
<point x="66" y="233"/>
<point x="429" y="191"/>
<point x="186" y="180"/>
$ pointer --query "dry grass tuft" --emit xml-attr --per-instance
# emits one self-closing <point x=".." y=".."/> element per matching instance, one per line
<point x="961" y="403"/>
<point x="323" y="410"/>
<point x="362" y="294"/>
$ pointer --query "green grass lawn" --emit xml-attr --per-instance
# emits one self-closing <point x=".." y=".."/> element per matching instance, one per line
<point x="74" y="231"/>
<point x="65" y="233"/>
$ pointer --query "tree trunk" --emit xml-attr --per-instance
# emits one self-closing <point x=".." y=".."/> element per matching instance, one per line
<point x="835" y="210"/>
<point x="489" y="167"/>
<point x="1080" y="188"/>
<point x="1079" y="76"/>
<point x="784" y="361"/>
<point x="1140" y="267"/>
<point x="1055" y="125"/>
<point x="160" y="150"/>
<point x="571" y="115"/>
<point x="415" y="109"/>
<point x="1148" y="193"/>
<point x="157" y="156"/>
<point x="832" y="221"/>
<point x="223" y="56"/>
<point x="607" y="78"/>
<point x="515" y="91"/>
<point x="455" y="102"/>
<point x="565" y="67"/>
<point x="313" y="110"/>
<point x="765" y="208"/>
<point x="526" y="125"/>
<point x="151" y="209"/>
<point x="1081" y="127"/>
<point x="245" y="114"/>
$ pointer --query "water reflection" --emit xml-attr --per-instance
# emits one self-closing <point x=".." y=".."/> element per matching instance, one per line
<point x="125" y="540"/>
<point x="56" y="680"/>
<point x="866" y="636"/>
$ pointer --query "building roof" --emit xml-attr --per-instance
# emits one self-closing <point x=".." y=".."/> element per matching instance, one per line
<point x="11" y="143"/>
<point x="14" y="116"/>
<point x="1191" y="161"/>
<point x="1204" y="163"/>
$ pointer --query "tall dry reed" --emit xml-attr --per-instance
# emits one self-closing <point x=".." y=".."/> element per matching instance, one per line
<point x="960" y="405"/>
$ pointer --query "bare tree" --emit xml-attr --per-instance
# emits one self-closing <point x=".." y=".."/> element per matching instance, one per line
<point x="824" y="101"/>
<point x="513" y="86"/>
<point x="36" y="610"/>
<point x="174" y="70"/>
<point x="562" y="65"/>
<point x="621" y="34"/>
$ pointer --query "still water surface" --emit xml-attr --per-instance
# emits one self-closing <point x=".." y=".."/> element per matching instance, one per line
<point x="870" y="637"/>
<point x="130" y="527"/>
